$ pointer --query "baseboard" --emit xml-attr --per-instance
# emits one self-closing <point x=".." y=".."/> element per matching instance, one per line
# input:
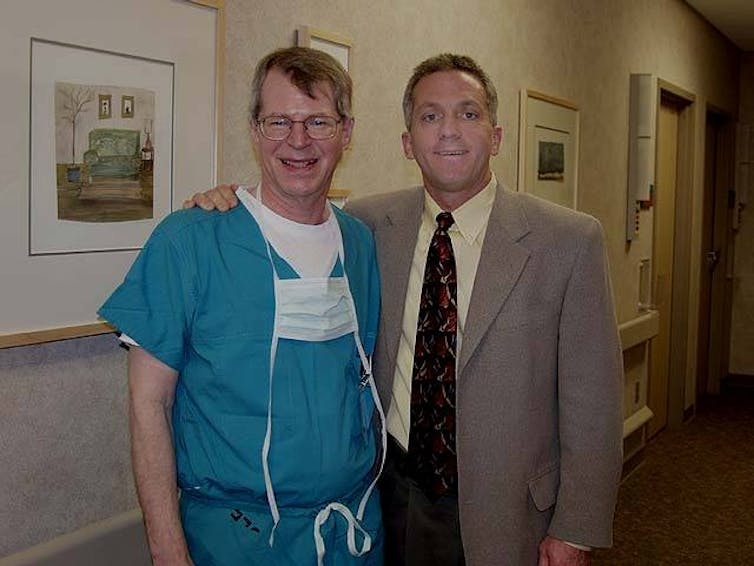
<point x="632" y="463"/>
<point x="117" y="541"/>
<point x="689" y="413"/>
<point x="737" y="382"/>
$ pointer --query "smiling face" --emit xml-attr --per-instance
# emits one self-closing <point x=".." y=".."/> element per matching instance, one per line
<point x="297" y="171"/>
<point x="452" y="136"/>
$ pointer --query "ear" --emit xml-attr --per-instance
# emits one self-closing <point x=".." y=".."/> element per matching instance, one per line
<point x="497" y="138"/>
<point x="256" y="138"/>
<point x="348" y="124"/>
<point x="408" y="151"/>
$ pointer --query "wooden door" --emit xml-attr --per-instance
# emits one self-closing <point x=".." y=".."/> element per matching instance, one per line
<point x="710" y="259"/>
<point x="719" y="256"/>
<point x="662" y="253"/>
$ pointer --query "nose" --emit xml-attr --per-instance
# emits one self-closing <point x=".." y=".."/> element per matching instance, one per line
<point x="450" y="127"/>
<point x="298" y="136"/>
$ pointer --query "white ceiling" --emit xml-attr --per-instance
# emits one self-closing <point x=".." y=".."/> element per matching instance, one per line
<point x="734" y="18"/>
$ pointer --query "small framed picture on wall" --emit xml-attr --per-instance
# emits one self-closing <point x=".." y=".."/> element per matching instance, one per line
<point x="105" y="106"/>
<point x="126" y="106"/>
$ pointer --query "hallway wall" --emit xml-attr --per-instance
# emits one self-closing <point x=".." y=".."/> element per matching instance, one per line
<point x="63" y="439"/>
<point x="63" y="432"/>
<point x="580" y="50"/>
<point x="742" y="323"/>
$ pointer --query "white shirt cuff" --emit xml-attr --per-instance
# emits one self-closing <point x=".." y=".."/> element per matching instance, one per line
<point x="579" y="546"/>
<point x="126" y="339"/>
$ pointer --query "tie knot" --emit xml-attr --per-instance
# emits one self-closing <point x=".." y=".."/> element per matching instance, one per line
<point x="444" y="220"/>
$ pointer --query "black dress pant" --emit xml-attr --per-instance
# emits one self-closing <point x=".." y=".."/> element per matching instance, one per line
<point x="418" y="531"/>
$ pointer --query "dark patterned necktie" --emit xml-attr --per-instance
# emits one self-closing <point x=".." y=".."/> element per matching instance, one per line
<point x="432" y="436"/>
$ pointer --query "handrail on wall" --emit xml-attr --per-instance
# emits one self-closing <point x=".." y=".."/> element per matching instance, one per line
<point x="635" y="332"/>
<point x="639" y="329"/>
<point x="53" y="334"/>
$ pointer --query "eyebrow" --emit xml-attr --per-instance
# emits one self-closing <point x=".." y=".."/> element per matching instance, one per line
<point x="466" y="103"/>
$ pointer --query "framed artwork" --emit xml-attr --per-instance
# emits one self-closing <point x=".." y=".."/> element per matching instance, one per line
<point x="548" y="148"/>
<point x="104" y="200"/>
<point x="105" y="106"/>
<point x="126" y="106"/>
<point x="340" y="48"/>
<point x="338" y="197"/>
<point x="332" y="43"/>
<point x="83" y="192"/>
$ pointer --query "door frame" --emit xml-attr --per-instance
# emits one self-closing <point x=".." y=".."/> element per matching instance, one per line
<point x="678" y="364"/>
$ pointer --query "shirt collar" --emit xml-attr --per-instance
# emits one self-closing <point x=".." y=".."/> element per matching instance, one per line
<point x="471" y="217"/>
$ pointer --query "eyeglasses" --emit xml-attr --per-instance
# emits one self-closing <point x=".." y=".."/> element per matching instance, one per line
<point x="277" y="128"/>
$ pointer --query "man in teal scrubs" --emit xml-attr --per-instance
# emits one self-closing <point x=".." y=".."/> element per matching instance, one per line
<point x="251" y="387"/>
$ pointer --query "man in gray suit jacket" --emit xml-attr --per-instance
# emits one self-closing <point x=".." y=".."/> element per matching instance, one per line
<point x="539" y="370"/>
<point x="538" y="376"/>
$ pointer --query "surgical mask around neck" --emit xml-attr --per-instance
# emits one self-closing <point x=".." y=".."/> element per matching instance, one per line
<point x="314" y="309"/>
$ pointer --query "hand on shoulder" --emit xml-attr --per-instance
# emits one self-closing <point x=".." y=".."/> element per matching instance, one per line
<point x="222" y="198"/>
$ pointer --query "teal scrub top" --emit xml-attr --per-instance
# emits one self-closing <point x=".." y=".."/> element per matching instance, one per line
<point x="199" y="297"/>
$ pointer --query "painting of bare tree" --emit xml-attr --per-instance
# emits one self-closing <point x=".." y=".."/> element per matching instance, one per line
<point x="75" y="100"/>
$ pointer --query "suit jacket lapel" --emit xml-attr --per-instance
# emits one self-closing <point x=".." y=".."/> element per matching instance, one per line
<point x="500" y="265"/>
<point x="395" y="232"/>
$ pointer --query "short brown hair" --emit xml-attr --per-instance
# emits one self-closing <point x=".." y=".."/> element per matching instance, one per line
<point x="449" y="62"/>
<point x="305" y="67"/>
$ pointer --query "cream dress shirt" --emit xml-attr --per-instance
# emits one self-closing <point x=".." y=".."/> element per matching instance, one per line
<point x="467" y="235"/>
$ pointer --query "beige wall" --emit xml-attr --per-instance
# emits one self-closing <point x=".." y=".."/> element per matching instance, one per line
<point x="582" y="51"/>
<point x="578" y="50"/>
<point x="742" y="324"/>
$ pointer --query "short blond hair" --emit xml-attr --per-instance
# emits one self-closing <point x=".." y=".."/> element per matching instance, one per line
<point x="305" y="67"/>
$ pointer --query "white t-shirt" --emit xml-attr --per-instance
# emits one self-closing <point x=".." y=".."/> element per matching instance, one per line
<point x="310" y="249"/>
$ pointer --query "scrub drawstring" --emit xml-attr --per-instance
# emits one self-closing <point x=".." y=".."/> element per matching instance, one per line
<point x="353" y="526"/>
<point x="354" y="522"/>
<point x="271" y="501"/>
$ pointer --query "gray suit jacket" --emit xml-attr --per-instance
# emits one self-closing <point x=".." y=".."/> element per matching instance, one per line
<point x="539" y="386"/>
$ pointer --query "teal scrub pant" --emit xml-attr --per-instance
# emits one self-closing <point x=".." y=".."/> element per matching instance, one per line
<point x="221" y="536"/>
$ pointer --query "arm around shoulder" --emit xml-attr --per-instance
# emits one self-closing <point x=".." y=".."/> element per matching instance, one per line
<point x="221" y="197"/>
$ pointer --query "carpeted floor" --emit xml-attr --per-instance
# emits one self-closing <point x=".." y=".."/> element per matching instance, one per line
<point x="692" y="501"/>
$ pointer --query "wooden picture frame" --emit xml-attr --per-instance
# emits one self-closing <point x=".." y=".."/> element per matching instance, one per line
<point x="339" y="46"/>
<point x="126" y="106"/>
<point x="102" y="201"/>
<point x="548" y="148"/>
<point x="105" y="106"/>
<point x="338" y="197"/>
<point x="54" y="297"/>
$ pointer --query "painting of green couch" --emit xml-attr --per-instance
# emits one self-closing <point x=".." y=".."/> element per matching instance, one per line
<point x="113" y="184"/>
